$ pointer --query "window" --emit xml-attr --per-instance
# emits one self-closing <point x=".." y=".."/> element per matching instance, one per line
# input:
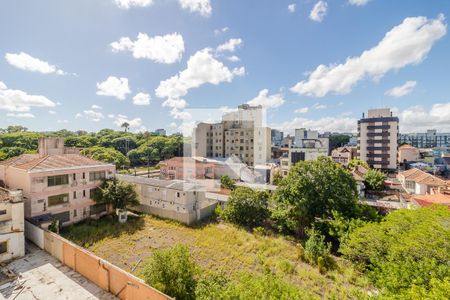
<point x="3" y="212"/>
<point x="74" y="195"/>
<point x="84" y="193"/>
<point x="57" y="180"/>
<point x="99" y="175"/>
<point x="3" y="247"/>
<point x="74" y="176"/>
<point x="84" y="175"/>
<point x="58" y="199"/>
<point x="74" y="213"/>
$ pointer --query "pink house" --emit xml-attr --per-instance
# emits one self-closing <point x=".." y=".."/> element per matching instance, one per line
<point x="57" y="182"/>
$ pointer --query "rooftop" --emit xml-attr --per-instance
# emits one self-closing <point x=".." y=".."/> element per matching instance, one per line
<point x="32" y="162"/>
<point x="423" y="177"/>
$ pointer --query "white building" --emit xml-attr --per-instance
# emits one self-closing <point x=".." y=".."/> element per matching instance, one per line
<point x="12" y="240"/>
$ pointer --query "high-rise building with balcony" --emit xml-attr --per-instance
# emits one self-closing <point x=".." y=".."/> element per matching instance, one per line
<point x="378" y="139"/>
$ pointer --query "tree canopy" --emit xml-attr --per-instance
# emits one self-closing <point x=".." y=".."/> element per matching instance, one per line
<point x="313" y="189"/>
<point x="119" y="194"/>
<point x="407" y="253"/>
<point x="374" y="180"/>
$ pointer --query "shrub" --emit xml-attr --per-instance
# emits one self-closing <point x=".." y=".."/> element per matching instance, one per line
<point x="172" y="271"/>
<point x="374" y="180"/>
<point x="227" y="183"/>
<point x="316" y="247"/>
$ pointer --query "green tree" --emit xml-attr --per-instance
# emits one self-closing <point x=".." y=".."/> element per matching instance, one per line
<point x="338" y="140"/>
<point x="277" y="177"/>
<point x="16" y="128"/>
<point x="357" y="162"/>
<point x="246" y="207"/>
<point x="119" y="194"/>
<point x="313" y="189"/>
<point x="316" y="247"/>
<point x="109" y="155"/>
<point x="405" y="252"/>
<point x="227" y="183"/>
<point x="374" y="180"/>
<point x="172" y="271"/>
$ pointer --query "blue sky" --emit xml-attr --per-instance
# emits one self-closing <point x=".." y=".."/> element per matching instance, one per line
<point x="63" y="64"/>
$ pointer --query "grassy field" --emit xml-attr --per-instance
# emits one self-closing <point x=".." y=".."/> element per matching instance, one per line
<point x="215" y="246"/>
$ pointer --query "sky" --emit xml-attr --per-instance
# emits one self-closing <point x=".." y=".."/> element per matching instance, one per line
<point x="88" y="65"/>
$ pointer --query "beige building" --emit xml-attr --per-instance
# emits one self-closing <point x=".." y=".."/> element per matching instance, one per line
<point x="172" y="199"/>
<point x="377" y="139"/>
<point x="12" y="241"/>
<point x="343" y="155"/>
<point x="419" y="182"/>
<point x="56" y="183"/>
<point x="240" y="134"/>
<point x="408" y="153"/>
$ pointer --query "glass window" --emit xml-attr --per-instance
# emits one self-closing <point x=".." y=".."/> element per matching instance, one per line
<point x="3" y="247"/>
<point x="99" y="175"/>
<point x="57" y="180"/>
<point x="58" y="199"/>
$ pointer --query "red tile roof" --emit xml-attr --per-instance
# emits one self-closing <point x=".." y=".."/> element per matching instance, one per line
<point x="420" y="176"/>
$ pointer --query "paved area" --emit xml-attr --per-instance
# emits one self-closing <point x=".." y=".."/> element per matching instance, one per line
<point x="41" y="276"/>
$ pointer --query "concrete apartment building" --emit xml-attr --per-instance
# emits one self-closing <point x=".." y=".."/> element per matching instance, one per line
<point x="12" y="240"/>
<point x="377" y="139"/>
<point x="307" y="146"/>
<point x="57" y="182"/>
<point x="172" y="199"/>
<point x="240" y="133"/>
<point x="429" y="139"/>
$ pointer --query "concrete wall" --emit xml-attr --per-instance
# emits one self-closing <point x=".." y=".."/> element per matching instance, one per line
<point x="102" y="273"/>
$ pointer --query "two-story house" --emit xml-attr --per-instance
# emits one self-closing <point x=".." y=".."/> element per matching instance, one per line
<point x="56" y="183"/>
<point x="12" y="241"/>
<point x="418" y="182"/>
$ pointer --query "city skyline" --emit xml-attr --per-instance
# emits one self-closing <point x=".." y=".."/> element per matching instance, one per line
<point x="92" y="65"/>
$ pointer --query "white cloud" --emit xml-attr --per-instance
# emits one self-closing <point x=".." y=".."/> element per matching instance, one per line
<point x="405" y="44"/>
<point x="135" y="123"/>
<point x="20" y="101"/>
<point x="419" y="119"/>
<point x="319" y="11"/>
<point x="141" y="99"/>
<point x="301" y="110"/>
<point x="52" y="112"/>
<point x="91" y="115"/>
<point x="266" y="100"/>
<point x="180" y="115"/>
<point x="402" y="90"/>
<point x="358" y="2"/>
<point x="166" y="49"/>
<point x="20" y="115"/>
<point x="319" y="106"/>
<point x="203" y="7"/>
<point x="126" y="4"/>
<point x="95" y="106"/>
<point x="173" y="125"/>
<point x="62" y="121"/>
<point x="111" y="116"/>
<point x="175" y="103"/>
<point x="222" y="30"/>
<point x="201" y="68"/>
<point x="26" y="62"/>
<point x="292" y="7"/>
<point x="114" y="87"/>
<point x="233" y="58"/>
<point x="331" y="124"/>
<point x="230" y="46"/>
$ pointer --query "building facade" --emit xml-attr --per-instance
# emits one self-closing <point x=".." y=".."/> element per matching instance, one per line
<point x="378" y="139"/>
<point x="419" y="182"/>
<point x="276" y="137"/>
<point x="12" y="240"/>
<point x="430" y="139"/>
<point x="160" y="131"/>
<point x="240" y="134"/>
<point x="55" y="183"/>
<point x="343" y="155"/>
<point x="408" y="153"/>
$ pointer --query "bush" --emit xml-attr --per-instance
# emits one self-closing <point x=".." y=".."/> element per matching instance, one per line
<point x="407" y="250"/>
<point x="227" y="183"/>
<point x="374" y="180"/>
<point x="246" y="207"/>
<point x="172" y="271"/>
<point x="315" y="248"/>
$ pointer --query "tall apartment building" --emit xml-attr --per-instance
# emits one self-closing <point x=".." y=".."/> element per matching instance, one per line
<point x="241" y="134"/>
<point x="429" y="139"/>
<point x="277" y="137"/>
<point x="378" y="139"/>
<point x="56" y="183"/>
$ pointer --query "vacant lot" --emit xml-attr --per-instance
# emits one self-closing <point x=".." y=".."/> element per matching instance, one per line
<point x="214" y="246"/>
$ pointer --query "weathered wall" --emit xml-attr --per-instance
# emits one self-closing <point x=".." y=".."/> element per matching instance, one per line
<point x="102" y="273"/>
<point x="186" y="218"/>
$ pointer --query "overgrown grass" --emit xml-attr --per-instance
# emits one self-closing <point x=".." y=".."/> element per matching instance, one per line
<point x="217" y="246"/>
